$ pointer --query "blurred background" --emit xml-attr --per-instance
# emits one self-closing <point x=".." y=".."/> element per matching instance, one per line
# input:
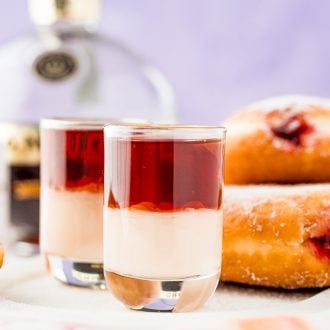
<point x="218" y="54"/>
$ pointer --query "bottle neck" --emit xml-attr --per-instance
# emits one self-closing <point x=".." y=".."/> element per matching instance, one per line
<point x="63" y="28"/>
<point x="65" y="15"/>
<point x="54" y="35"/>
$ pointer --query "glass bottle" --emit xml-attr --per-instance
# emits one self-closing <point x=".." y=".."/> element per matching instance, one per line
<point x="66" y="68"/>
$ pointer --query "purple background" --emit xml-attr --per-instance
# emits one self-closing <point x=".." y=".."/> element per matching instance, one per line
<point x="219" y="54"/>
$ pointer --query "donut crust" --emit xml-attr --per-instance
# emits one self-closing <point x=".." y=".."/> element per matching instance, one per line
<point x="255" y="154"/>
<point x="268" y="231"/>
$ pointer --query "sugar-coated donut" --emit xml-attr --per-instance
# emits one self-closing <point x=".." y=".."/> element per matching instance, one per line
<point x="277" y="235"/>
<point x="279" y="140"/>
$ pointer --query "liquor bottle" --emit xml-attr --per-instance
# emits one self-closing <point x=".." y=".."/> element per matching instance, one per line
<point x="65" y="68"/>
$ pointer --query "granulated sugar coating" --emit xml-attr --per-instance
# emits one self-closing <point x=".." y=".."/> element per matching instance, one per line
<point x="277" y="235"/>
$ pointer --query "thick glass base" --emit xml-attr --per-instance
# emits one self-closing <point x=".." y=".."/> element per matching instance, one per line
<point x="181" y="295"/>
<point x="83" y="274"/>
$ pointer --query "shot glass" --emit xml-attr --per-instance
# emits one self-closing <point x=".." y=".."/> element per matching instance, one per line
<point x="71" y="228"/>
<point x="163" y="214"/>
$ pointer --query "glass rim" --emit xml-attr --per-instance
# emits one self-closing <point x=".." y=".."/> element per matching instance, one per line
<point x="84" y="123"/>
<point x="158" y="131"/>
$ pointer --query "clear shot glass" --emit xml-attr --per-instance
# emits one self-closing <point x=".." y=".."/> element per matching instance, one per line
<point x="163" y="214"/>
<point x="71" y="220"/>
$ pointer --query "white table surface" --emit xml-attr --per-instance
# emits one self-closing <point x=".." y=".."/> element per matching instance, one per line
<point x="31" y="299"/>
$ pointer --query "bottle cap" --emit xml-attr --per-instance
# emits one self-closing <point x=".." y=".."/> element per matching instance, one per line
<point x="48" y="12"/>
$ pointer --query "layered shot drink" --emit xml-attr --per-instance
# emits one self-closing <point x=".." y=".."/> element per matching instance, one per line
<point x="163" y="214"/>
<point x="72" y="160"/>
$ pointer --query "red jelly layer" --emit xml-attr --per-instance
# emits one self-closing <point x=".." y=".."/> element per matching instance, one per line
<point x="289" y="125"/>
<point x="75" y="159"/>
<point x="166" y="175"/>
<point x="321" y="245"/>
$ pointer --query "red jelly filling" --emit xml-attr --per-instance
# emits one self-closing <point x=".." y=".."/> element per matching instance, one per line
<point x="166" y="175"/>
<point x="321" y="245"/>
<point x="75" y="159"/>
<point x="289" y="126"/>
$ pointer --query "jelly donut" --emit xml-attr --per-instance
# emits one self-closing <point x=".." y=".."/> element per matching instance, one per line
<point x="279" y="140"/>
<point x="277" y="235"/>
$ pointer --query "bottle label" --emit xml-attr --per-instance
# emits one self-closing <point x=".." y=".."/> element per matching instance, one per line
<point x="26" y="189"/>
<point x="21" y="156"/>
<point x="24" y="196"/>
<point x="21" y="143"/>
<point x="55" y="66"/>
